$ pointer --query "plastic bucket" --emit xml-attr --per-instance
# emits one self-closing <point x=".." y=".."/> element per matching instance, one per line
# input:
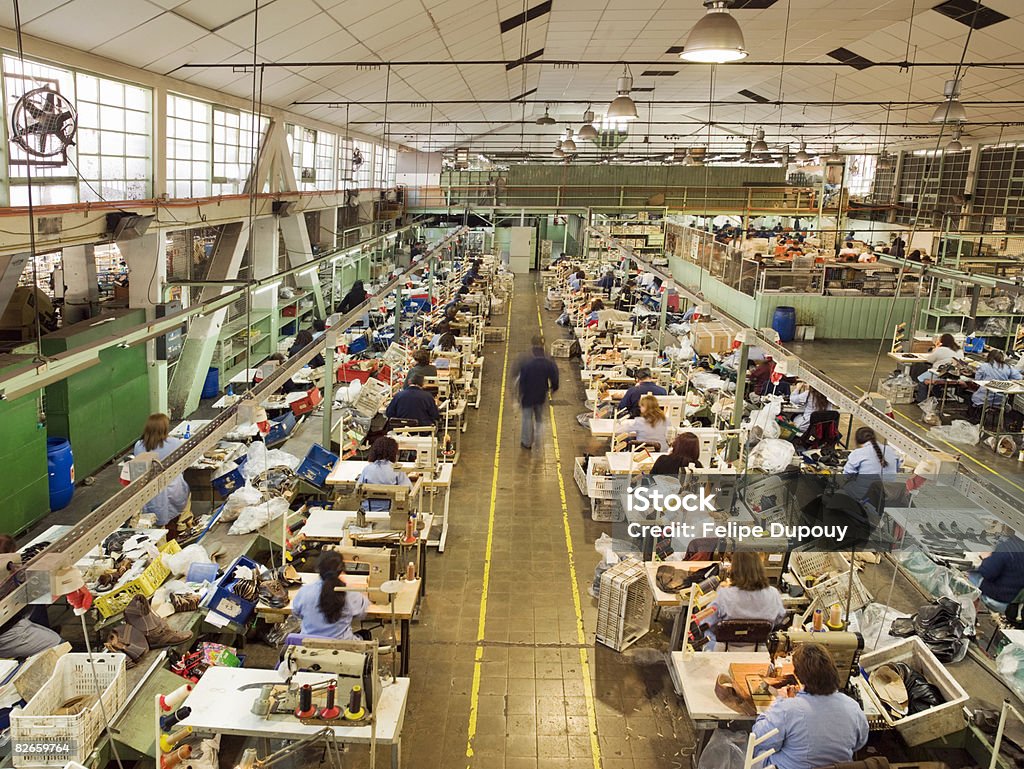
<point x="784" y="321"/>
<point x="60" y="465"/>
<point x="212" y="384"/>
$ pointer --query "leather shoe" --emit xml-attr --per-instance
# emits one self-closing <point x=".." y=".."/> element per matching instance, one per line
<point x="158" y="633"/>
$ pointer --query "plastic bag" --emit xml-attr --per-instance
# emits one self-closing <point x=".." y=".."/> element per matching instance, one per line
<point x="256" y="516"/>
<point x="766" y="417"/>
<point x="872" y="618"/>
<point x="960" y="431"/>
<point x="238" y="500"/>
<point x="261" y="458"/>
<point x="995" y="327"/>
<point x="772" y="455"/>
<point x="725" y="750"/>
<point x="178" y="563"/>
<point x="942" y="582"/>
<point x="1010" y="667"/>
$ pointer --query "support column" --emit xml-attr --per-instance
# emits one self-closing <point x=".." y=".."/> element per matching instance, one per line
<point x="197" y="353"/>
<point x="146" y="258"/>
<point x="297" y="245"/>
<point x="82" y="292"/>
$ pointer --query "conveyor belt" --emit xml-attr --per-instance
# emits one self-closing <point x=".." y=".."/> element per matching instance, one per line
<point x="94" y="528"/>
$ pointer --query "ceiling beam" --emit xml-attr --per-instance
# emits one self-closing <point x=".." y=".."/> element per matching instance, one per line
<point x="243" y="67"/>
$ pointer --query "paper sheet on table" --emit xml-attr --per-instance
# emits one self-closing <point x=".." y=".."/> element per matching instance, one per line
<point x="216" y="619"/>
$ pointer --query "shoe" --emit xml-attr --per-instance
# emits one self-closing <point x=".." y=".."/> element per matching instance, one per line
<point x="273" y="593"/>
<point x="158" y="633"/>
<point x="528" y="448"/>
<point x="126" y="640"/>
<point x="728" y="696"/>
<point x="185" y="601"/>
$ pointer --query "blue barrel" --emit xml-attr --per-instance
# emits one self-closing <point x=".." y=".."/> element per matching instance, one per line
<point x="212" y="384"/>
<point x="60" y="464"/>
<point x="784" y="321"/>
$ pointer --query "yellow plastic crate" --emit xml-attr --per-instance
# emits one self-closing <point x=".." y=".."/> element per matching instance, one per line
<point x="109" y="604"/>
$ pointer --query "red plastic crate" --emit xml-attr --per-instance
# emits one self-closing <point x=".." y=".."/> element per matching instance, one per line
<point x="303" y="406"/>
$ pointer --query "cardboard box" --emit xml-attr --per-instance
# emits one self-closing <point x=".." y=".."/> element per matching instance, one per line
<point x="712" y="337"/>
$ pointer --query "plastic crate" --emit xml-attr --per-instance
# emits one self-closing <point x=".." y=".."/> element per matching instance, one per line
<point x="606" y="510"/>
<point x="494" y="333"/>
<point x="371" y="397"/>
<point x="109" y="604"/>
<point x="900" y="394"/>
<point x="807" y="567"/>
<point x="624" y="605"/>
<point x="834" y="591"/>
<point x="230" y="481"/>
<point x="579" y="474"/>
<point x="225" y="602"/>
<point x="560" y="348"/>
<point x="317" y="465"/>
<point x="72" y="676"/>
<point x="939" y="721"/>
<point x="305" y="405"/>
<point x="280" y="429"/>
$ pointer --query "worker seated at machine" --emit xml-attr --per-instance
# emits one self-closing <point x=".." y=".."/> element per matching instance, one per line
<point x="381" y="471"/>
<point x="1000" y="576"/>
<point x="817" y="725"/>
<point x="414" y="403"/>
<point x="748" y="596"/>
<point x="24" y="634"/>
<point x="326" y="612"/>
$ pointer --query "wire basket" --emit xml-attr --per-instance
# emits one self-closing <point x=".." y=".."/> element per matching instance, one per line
<point x="624" y="605"/>
<point x="835" y="591"/>
<point x="72" y="677"/>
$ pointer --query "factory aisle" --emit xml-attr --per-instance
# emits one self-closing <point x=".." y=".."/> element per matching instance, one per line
<point x="509" y="676"/>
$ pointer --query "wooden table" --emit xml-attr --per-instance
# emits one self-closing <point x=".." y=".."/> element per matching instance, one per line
<point x="442" y="482"/>
<point x="406" y="601"/>
<point x="661" y="598"/>
<point x="221" y="685"/>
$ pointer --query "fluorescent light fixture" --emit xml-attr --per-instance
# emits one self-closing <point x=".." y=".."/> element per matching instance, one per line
<point x="267" y="287"/>
<point x="716" y="38"/>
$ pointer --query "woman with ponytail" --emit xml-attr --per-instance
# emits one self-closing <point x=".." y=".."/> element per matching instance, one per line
<point x="326" y="612"/>
<point x="871" y="461"/>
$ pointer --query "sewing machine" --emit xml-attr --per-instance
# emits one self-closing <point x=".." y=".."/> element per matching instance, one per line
<point x="423" y="449"/>
<point x="845" y="649"/>
<point x="375" y="563"/>
<point x="352" y="666"/>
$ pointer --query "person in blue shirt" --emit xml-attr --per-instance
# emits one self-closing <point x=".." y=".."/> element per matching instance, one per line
<point x="869" y="463"/>
<point x="607" y="282"/>
<point x="324" y="611"/>
<point x="644" y="384"/>
<point x="576" y="280"/>
<point x="995" y="367"/>
<point x="414" y="403"/>
<point x="381" y="471"/>
<point x="1000" y="576"/>
<point x="819" y="726"/>
<point x="170" y="503"/>
<point x="536" y="374"/>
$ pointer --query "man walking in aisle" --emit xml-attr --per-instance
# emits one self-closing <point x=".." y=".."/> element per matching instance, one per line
<point x="537" y="375"/>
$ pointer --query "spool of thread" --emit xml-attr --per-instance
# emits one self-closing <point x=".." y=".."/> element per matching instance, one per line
<point x="819" y="620"/>
<point x="169" y="742"/>
<point x="171" y="760"/>
<point x="330" y="710"/>
<point x="167" y="722"/>
<point x="410" y="571"/>
<point x="410" y="531"/>
<point x="835" y="618"/>
<point x="355" y="711"/>
<point x="169" y="702"/>
<point x="305" y="708"/>
<point x="709" y="585"/>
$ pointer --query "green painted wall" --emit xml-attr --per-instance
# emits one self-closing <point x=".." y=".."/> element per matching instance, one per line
<point x="102" y="409"/>
<point x="834" y="317"/>
<point x="24" y="485"/>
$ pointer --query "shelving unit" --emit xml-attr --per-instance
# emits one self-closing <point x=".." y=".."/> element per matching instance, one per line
<point x="239" y="337"/>
<point x="642" y="230"/>
<point x="936" y="315"/>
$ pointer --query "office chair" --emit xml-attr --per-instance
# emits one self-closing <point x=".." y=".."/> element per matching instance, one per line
<point x="822" y="432"/>
<point x="743" y="631"/>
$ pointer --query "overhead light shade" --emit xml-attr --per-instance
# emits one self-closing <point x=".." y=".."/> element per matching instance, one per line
<point x="587" y="130"/>
<point x="835" y="158"/>
<point x="760" y="147"/>
<point x="716" y="38"/>
<point x="801" y="155"/>
<point x="951" y="110"/>
<point x="622" y="107"/>
<point x="568" y="146"/>
<point x="557" y="153"/>
<point x="545" y="119"/>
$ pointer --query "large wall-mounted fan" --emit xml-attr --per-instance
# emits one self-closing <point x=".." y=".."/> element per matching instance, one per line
<point x="44" y="123"/>
<point x="357" y="159"/>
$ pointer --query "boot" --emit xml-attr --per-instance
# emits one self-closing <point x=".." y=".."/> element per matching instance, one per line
<point x="158" y="633"/>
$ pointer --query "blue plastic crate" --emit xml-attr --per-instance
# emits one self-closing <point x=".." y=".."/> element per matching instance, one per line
<point x="224" y="602"/>
<point x="280" y="428"/>
<point x="358" y="345"/>
<point x="416" y="304"/>
<point x="317" y="465"/>
<point x="975" y="344"/>
<point x="232" y="480"/>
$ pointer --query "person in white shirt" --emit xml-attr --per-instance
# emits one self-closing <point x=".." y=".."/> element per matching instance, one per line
<point x="748" y="595"/>
<point x="848" y="250"/>
<point x="945" y="350"/>
<point x="867" y="257"/>
<point x="811" y="400"/>
<point x="652" y="424"/>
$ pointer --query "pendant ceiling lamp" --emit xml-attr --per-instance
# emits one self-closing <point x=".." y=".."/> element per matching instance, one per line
<point x="955" y="145"/>
<point x="886" y="161"/>
<point x="557" y="152"/>
<point x="801" y="155"/>
<point x="545" y="119"/>
<point x="835" y="157"/>
<point x="622" y="107"/>
<point x="747" y="155"/>
<point x="951" y="110"/>
<point x="587" y="130"/>
<point x="568" y="146"/>
<point x="716" y="38"/>
<point x="760" y="147"/>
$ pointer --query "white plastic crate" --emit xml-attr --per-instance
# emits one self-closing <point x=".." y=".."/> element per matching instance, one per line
<point x="560" y="348"/>
<point x="371" y="397"/>
<point x="624" y="605"/>
<point x="947" y="718"/>
<point x="72" y="677"/>
<point x="601" y="485"/>
<point x="807" y="565"/>
<point x="606" y="510"/>
<point x="900" y="394"/>
<point x="579" y="475"/>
